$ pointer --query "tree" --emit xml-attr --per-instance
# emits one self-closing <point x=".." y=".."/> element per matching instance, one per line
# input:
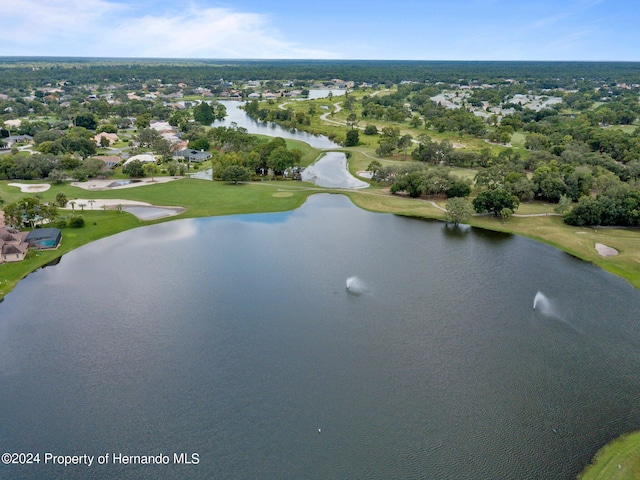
<point x="204" y="113"/>
<point x="412" y="183"/>
<point x="353" y="138"/>
<point x="280" y="159"/>
<point x="506" y="213"/>
<point x="459" y="210"/>
<point x="148" y="137"/>
<point x="23" y="211"/>
<point x="370" y="130"/>
<point x="57" y="176"/>
<point x="61" y="199"/>
<point x="374" y="166"/>
<point x="458" y="189"/>
<point x="432" y="151"/>
<point x="235" y="174"/>
<point x="143" y="121"/>
<point x="495" y="201"/>
<point x="150" y="169"/>
<point x="134" y="169"/>
<point x="200" y="144"/>
<point x="564" y="205"/>
<point x="86" y="120"/>
<point x="352" y="120"/>
<point x="404" y="143"/>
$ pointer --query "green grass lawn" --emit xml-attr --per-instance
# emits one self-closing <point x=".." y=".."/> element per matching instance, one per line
<point x="618" y="460"/>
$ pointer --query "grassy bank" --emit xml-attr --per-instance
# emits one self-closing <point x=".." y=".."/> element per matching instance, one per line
<point x="203" y="198"/>
<point x="618" y="460"/>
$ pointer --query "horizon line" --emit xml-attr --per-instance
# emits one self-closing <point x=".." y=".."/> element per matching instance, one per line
<point x="240" y="59"/>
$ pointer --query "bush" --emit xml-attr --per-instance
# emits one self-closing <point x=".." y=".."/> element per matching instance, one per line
<point x="76" y="221"/>
<point x="458" y="189"/>
<point x="370" y="130"/>
<point x="60" y="223"/>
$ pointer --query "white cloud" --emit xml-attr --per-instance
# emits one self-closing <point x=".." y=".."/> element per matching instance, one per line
<point x="37" y="27"/>
<point x="108" y="29"/>
<point x="211" y="33"/>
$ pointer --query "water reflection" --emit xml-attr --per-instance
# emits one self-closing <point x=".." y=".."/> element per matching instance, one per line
<point x="331" y="171"/>
<point x="237" y="116"/>
<point x="235" y="337"/>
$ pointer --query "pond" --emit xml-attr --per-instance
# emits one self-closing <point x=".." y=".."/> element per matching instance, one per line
<point x="236" y="338"/>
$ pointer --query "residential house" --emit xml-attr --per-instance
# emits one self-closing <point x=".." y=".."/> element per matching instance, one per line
<point x="13" y="139"/>
<point x="192" y="155"/>
<point x="44" y="238"/>
<point x="13" y="246"/>
<point x="111" y="137"/>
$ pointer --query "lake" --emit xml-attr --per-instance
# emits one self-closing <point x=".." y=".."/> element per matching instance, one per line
<point x="235" y="338"/>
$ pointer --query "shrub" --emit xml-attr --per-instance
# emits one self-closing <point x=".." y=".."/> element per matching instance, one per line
<point x="76" y="221"/>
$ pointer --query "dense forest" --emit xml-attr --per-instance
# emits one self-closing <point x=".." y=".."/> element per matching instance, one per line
<point x="16" y="72"/>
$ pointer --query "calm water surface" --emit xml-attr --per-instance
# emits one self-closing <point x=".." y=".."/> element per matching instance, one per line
<point x="237" y="116"/>
<point x="235" y="338"/>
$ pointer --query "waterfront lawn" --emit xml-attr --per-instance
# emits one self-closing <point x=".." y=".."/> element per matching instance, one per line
<point x="618" y="460"/>
<point x="98" y="224"/>
<point x="579" y="242"/>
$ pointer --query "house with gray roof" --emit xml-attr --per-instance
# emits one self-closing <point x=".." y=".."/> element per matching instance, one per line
<point x="44" y="238"/>
<point x="192" y="155"/>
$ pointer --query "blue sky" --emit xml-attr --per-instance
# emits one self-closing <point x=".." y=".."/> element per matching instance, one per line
<point x="603" y="30"/>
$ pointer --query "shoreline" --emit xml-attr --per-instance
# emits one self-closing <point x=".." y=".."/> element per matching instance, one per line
<point x="358" y="197"/>
<point x="376" y="201"/>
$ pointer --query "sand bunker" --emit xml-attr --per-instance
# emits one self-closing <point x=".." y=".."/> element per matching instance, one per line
<point x="605" y="251"/>
<point x="31" y="187"/>
<point x="103" y="184"/>
<point x="142" y="210"/>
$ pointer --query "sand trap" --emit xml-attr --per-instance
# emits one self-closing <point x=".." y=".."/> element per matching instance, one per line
<point x="31" y="187"/>
<point x="283" y="194"/>
<point x="605" y="251"/>
<point x="98" y="203"/>
<point x="142" y="210"/>
<point x="102" y="184"/>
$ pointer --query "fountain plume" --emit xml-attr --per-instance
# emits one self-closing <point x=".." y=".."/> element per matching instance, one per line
<point x="355" y="286"/>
